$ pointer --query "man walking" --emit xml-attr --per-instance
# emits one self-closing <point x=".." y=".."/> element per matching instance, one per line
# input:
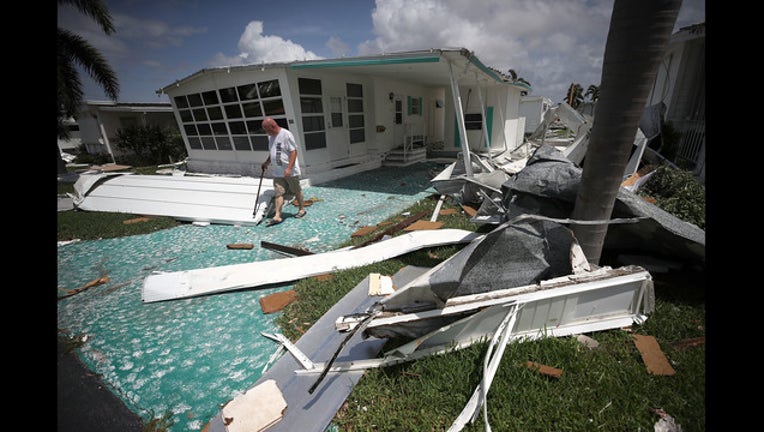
<point x="286" y="171"/>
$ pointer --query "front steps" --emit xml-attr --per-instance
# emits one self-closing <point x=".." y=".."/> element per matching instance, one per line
<point x="398" y="157"/>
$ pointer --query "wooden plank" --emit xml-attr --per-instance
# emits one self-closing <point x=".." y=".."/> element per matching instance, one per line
<point x="424" y="225"/>
<point x="393" y="229"/>
<point x="240" y="246"/>
<point x="469" y="210"/>
<point x="136" y="220"/>
<point x="364" y="231"/>
<point x="446" y="212"/>
<point x="655" y="361"/>
<point x="277" y="301"/>
<point x="544" y="369"/>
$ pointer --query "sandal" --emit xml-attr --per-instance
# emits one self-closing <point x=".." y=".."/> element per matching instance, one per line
<point x="273" y="222"/>
<point x="300" y="214"/>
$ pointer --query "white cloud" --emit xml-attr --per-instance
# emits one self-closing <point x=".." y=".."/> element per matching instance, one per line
<point x="255" y="47"/>
<point x="550" y="43"/>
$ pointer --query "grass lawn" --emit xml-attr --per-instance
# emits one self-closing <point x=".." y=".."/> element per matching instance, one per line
<point x="604" y="389"/>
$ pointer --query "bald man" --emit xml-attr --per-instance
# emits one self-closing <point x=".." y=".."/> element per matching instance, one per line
<point x="286" y="171"/>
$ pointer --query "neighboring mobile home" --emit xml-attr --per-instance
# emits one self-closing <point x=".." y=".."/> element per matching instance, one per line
<point x="99" y="122"/>
<point x="349" y="114"/>
<point x="681" y="86"/>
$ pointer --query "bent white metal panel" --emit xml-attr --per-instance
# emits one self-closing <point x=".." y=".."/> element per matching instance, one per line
<point x="190" y="283"/>
<point x="213" y="199"/>
<point x="618" y="298"/>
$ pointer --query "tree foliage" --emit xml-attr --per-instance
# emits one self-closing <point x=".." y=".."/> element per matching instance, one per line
<point x="592" y="92"/>
<point x="151" y="144"/>
<point x="73" y="51"/>
<point x="677" y="192"/>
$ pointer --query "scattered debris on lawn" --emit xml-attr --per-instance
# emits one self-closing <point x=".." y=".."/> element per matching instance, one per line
<point x="240" y="246"/>
<point x="666" y="422"/>
<point x="239" y="415"/>
<point x="136" y="220"/>
<point x="94" y="282"/>
<point x="277" y="301"/>
<point x="380" y="285"/>
<point x="655" y="360"/>
<point x="543" y="369"/>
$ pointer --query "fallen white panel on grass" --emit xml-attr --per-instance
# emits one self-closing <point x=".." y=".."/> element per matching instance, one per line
<point x="212" y="280"/>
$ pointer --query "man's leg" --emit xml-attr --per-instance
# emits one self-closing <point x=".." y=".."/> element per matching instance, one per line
<point x="279" y="188"/>
<point x="279" y="200"/>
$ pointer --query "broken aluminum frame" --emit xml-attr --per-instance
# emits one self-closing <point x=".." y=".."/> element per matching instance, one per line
<point x="599" y="300"/>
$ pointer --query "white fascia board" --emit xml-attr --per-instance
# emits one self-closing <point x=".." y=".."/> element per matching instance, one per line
<point x="191" y="283"/>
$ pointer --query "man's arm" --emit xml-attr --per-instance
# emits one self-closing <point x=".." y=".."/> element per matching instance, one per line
<point x="290" y="165"/>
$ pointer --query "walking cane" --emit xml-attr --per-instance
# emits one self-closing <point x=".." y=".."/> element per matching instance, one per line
<point x="262" y="172"/>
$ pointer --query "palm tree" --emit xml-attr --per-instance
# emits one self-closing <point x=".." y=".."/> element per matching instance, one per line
<point x="593" y="92"/>
<point x="73" y="51"/>
<point x="638" y="36"/>
<point x="575" y="95"/>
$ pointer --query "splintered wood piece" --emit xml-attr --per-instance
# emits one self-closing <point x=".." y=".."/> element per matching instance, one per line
<point x="655" y="360"/>
<point x="277" y="301"/>
<point x="544" y="369"/>
<point x="240" y="246"/>
<point x="364" y="231"/>
<point x="424" y="225"/>
<point x="469" y="210"/>
<point x="136" y="220"/>
<point x="445" y="212"/>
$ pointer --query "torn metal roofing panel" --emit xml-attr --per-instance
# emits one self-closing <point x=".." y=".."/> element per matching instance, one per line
<point x="308" y="412"/>
<point x="204" y="281"/>
<point x="548" y="186"/>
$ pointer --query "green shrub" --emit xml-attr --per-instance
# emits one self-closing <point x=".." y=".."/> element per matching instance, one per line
<point x="150" y="145"/>
<point x="679" y="193"/>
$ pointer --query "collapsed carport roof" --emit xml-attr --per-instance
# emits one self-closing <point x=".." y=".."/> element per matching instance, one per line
<point x="426" y="67"/>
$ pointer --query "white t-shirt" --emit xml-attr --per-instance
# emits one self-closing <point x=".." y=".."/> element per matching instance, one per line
<point x="281" y="146"/>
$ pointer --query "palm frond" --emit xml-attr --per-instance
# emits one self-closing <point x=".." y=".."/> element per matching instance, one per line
<point x="95" y="9"/>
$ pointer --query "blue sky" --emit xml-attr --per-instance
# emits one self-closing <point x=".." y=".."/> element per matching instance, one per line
<point x="550" y="43"/>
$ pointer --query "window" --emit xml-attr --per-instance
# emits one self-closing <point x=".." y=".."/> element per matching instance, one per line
<point x="473" y="121"/>
<point x="356" y="131"/>
<point x="230" y="118"/>
<point x="215" y="113"/>
<point x="269" y="88"/>
<point x="247" y="92"/>
<point x="210" y="97"/>
<point x="195" y="100"/>
<point x="416" y="109"/>
<point x="398" y="111"/>
<point x="312" y="108"/>
<point x="233" y="111"/>
<point x="181" y="102"/>
<point x="335" y="103"/>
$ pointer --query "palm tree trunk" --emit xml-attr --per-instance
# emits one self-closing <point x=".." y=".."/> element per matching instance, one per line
<point x="638" y="35"/>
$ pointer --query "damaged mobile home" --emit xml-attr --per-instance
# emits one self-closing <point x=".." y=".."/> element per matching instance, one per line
<point x="348" y="115"/>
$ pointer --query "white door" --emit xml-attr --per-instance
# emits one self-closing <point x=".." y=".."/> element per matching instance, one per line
<point x="336" y="129"/>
